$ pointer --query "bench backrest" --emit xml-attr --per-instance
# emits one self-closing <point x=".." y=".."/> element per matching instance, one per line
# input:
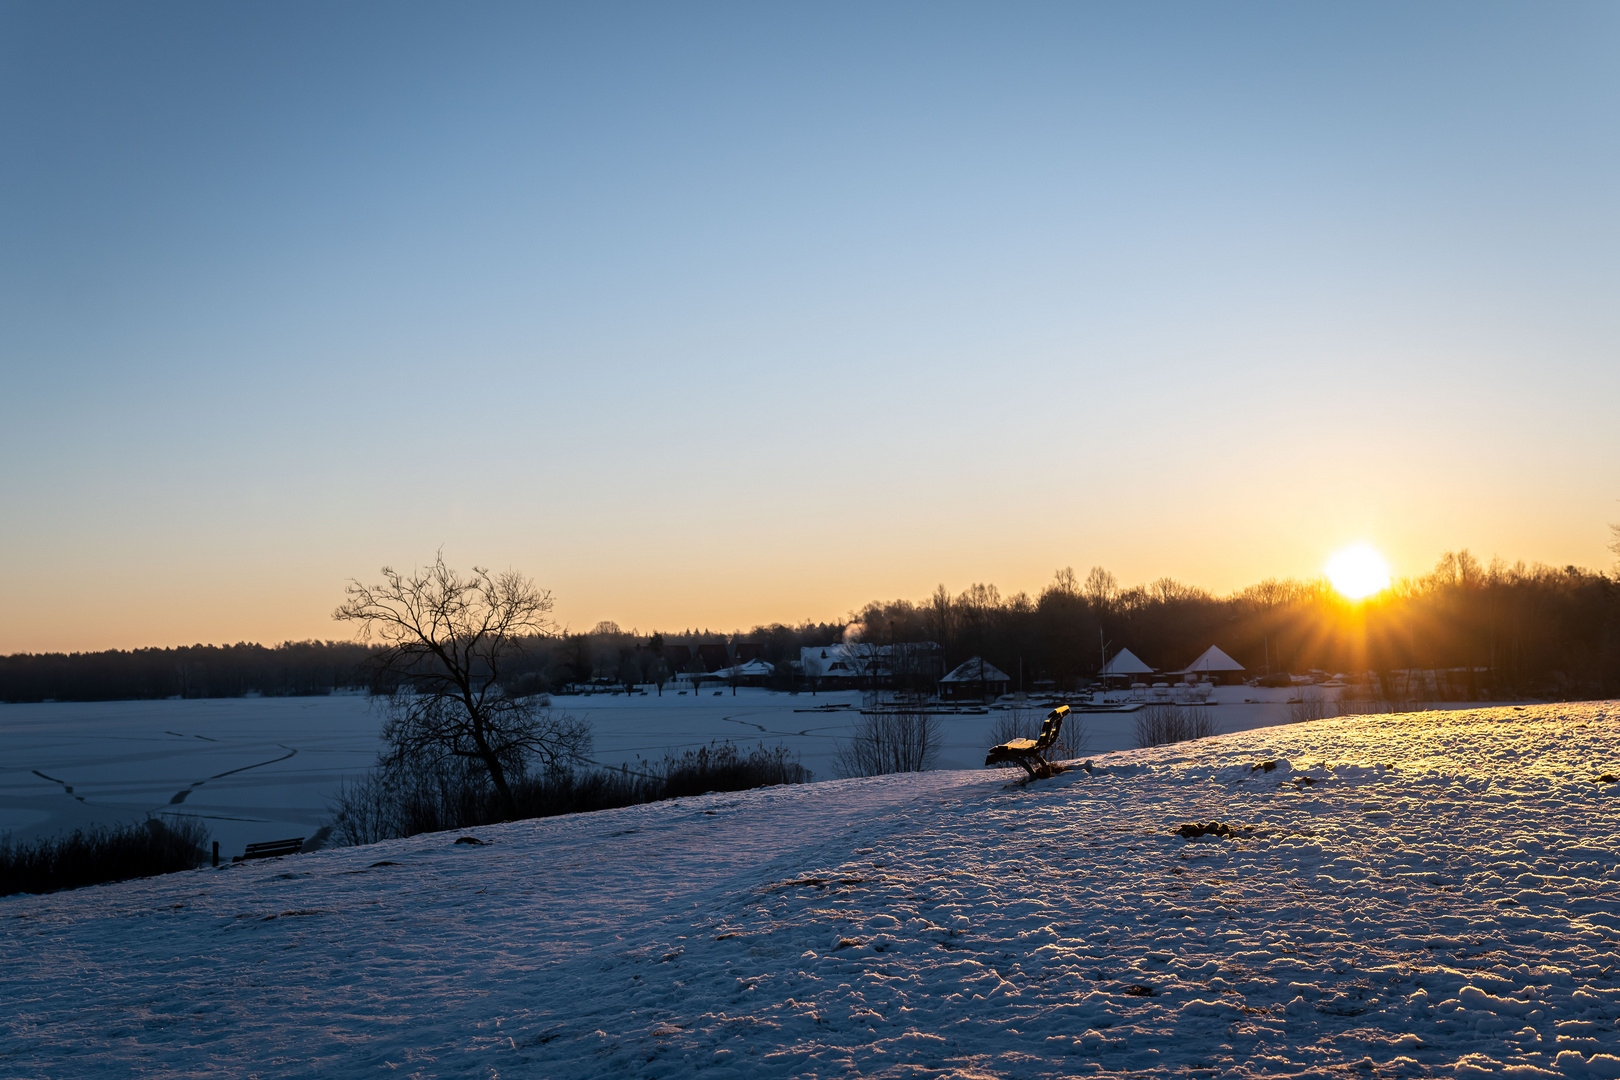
<point x="1050" y="729"/>
<point x="271" y="848"/>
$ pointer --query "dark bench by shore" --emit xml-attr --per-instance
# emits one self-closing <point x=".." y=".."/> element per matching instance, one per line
<point x="1030" y="753"/>
<point x="270" y="849"/>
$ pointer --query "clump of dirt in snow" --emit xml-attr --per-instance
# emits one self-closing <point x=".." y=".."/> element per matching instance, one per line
<point x="1213" y="828"/>
<point x="1275" y="770"/>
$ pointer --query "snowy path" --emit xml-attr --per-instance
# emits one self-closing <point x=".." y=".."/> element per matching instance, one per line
<point x="1455" y="914"/>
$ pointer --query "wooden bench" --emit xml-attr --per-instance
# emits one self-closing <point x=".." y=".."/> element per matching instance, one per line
<point x="1030" y="753"/>
<point x="271" y="849"/>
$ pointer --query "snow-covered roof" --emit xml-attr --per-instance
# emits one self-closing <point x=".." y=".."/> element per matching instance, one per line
<point x="1213" y="659"/>
<point x="740" y="671"/>
<point x="1125" y="662"/>
<point x="977" y="670"/>
<point x="839" y="661"/>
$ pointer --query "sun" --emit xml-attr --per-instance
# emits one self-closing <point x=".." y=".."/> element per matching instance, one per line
<point x="1358" y="572"/>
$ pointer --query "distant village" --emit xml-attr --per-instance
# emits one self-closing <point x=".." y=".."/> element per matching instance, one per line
<point x="917" y="667"/>
<point x="1466" y="632"/>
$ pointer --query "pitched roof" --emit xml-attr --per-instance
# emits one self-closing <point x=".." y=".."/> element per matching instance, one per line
<point x="1213" y="659"/>
<point x="743" y="671"/>
<point x="976" y="670"/>
<point x="1125" y="662"/>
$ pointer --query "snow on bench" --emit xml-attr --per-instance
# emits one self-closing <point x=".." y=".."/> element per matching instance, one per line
<point x="1029" y="752"/>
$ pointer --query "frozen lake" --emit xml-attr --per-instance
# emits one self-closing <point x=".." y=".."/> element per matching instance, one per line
<point x="256" y="769"/>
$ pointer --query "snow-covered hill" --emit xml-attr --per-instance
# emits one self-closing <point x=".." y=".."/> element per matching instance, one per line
<point x="1423" y="894"/>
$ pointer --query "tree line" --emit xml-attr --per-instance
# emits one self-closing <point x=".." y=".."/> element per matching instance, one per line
<point x="1465" y="630"/>
<point x="1479" y="630"/>
<point x="291" y="669"/>
<point x="1476" y="630"/>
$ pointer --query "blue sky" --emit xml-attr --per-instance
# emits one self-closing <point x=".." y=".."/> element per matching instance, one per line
<point x="714" y="314"/>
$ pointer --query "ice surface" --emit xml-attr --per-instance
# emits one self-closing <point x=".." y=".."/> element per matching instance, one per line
<point x="1442" y="900"/>
<point x="264" y="768"/>
<point x="250" y="768"/>
<point x="256" y="769"/>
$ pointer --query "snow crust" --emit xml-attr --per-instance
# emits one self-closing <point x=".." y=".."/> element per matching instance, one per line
<point x="1439" y="899"/>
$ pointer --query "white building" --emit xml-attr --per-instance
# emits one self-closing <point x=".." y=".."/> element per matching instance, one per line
<point x="1214" y="665"/>
<point x="1125" y="665"/>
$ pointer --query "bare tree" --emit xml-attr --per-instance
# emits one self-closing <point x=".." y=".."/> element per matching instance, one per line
<point x="658" y="672"/>
<point x="941" y="616"/>
<point x="889" y="742"/>
<point x="658" y="667"/>
<point x="447" y="641"/>
<point x="629" y="670"/>
<point x="1064" y="582"/>
<point x="1101" y="589"/>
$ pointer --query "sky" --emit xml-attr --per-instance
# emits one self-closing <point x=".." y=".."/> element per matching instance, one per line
<point x="707" y="315"/>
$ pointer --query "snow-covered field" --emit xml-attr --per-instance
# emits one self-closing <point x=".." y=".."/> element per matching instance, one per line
<point x="1442" y="900"/>
<point x="256" y="769"/>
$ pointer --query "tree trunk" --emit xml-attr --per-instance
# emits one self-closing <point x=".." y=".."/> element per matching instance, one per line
<point x="497" y="776"/>
<point x="492" y="762"/>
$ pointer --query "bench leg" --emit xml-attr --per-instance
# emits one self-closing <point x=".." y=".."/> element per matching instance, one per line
<point x="1043" y="769"/>
<point x="1036" y="766"/>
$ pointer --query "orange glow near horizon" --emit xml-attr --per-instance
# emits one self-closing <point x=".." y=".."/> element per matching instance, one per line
<point x="1358" y="572"/>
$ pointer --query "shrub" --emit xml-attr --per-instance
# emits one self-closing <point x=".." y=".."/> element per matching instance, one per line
<point x="399" y="800"/>
<point x="98" y="855"/>
<point x="1010" y="725"/>
<point x="1026" y="724"/>
<point x="1309" y="707"/>
<point x="721" y="768"/>
<point x="1362" y="706"/>
<point x="1157" y="725"/>
<point x="889" y="742"/>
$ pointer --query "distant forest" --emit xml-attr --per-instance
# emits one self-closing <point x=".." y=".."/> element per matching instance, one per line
<point x="296" y="668"/>
<point x="1486" y="632"/>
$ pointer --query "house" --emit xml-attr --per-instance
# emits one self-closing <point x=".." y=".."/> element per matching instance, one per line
<point x="1125" y="665"/>
<point x="713" y="656"/>
<point x="860" y="663"/>
<point x="1214" y="665"/>
<point x="838" y="665"/>
<point x="974" y="678"/>
<point x="752" y="673"/>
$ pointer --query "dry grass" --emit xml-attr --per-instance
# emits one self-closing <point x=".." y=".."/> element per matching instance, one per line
<point x="95" y="856"/>
<point x="1157" y="725"/>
